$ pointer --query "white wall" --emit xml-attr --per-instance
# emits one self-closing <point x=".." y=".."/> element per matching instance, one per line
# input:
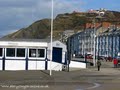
<point x="1" y="64"/>
<point x="22" y="44"/>
<point x="58" y="44"/>
<point x="55" y="66"/>
<point x="74" y="64"/>
<point x="15" y="65"/>
<point x="20" y="65"/>
<point x="36" y="65"/>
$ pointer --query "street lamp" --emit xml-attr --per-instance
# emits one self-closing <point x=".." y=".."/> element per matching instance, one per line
<point x="85" y="47"/>
<point x="94" y="54"/>
<point x="51" y="38"/>
<point x="94" y="61"/>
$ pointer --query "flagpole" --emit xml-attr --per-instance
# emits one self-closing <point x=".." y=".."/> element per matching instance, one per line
<point x="51" y="38"/>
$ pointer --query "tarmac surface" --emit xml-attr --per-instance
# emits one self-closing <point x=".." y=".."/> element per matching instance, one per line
<point x="108" y="78"/>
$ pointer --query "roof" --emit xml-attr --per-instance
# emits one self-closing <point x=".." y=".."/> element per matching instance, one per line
<point x="26" y="40"/>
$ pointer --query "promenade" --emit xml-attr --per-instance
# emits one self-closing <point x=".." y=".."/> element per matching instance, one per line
<point x="108" y="78"/>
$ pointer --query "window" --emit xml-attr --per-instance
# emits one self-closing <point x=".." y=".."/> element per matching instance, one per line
<point x="37" y="53"/>
<point x="1" y="52"/>
<point x="20" y="52"/>
<point x="15" y="52"/>
<point x="10" y="52"/>
<point x="41" y="52"/>
<point x="32" y="52"/>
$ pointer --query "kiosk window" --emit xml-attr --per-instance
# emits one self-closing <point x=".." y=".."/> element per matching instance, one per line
<point x="1" y="51"/>
<point x="20" y="52"/>
<point x="41" y="52"/>
<point x="10" y="52"/>
<point x="32" y="52"/>
<point x="37" y="53"/>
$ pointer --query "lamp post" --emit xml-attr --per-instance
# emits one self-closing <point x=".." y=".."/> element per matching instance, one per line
<point x="85" y="47"/>
<point x="51" y="38"/>
<point x="94" y="55"/>
<point x="94" y="61"/>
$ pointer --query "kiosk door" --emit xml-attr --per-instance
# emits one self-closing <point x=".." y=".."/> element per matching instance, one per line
<point x="57" y="54"/>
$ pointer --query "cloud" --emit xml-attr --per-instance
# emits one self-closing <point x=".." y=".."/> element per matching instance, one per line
<point x="62" y="6"/>
<point x="16" y="14"/>
<point x="17" y="3"/>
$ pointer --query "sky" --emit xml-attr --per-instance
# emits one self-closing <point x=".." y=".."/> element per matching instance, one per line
<point x="17" y="14"/>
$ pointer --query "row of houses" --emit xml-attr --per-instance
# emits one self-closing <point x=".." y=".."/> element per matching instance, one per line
<point x="108" y="43"/>
<point x="95" y="41"/>
<point x="81" y="43"/>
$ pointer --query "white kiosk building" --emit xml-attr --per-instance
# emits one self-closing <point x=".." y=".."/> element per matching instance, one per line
<point x="30" y="54"/>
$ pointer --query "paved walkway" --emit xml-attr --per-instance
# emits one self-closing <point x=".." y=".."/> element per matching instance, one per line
<point x="73" y="80"/>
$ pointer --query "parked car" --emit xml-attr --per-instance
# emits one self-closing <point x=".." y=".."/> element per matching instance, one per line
<point x="89" y="56"/>
<point x="79" y="56"/>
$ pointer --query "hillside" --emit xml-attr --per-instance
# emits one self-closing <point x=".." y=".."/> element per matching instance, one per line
<point x="69" y="21"/>
<point x="39" y="29"/>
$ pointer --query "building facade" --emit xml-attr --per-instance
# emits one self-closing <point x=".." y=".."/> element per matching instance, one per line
<point x="31" y="55"/>
<point x="109" y="43"/>
<point x="106" y="44"/>
<point x="81" y="43"/>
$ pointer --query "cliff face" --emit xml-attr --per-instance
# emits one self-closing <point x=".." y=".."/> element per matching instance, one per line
<point x="69" y="21"/>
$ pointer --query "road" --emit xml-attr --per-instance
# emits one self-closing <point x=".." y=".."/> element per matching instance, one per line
<point x="108" y="78"/>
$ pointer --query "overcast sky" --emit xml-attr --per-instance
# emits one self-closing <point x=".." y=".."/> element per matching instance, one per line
<point x="17" y="14"/>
